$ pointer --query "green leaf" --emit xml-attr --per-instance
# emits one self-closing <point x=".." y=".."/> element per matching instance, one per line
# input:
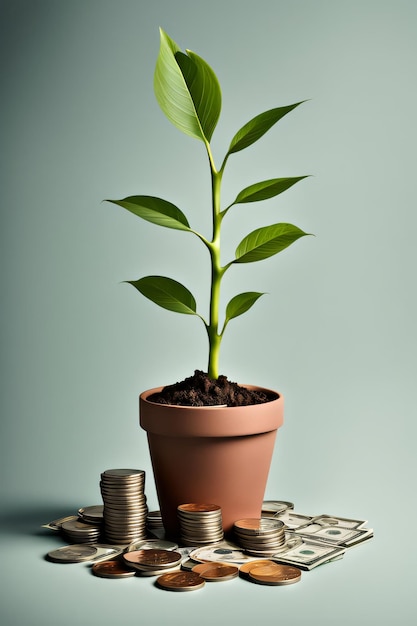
<point x="257" y="127"/>
<point x="266" y="189"/>
<point x="241" y="303"/>
<point x="167" y="293"/>
<point x="204" y="89"/>
<point x="267" y="241"/>
<point x="187" y="90"/>
<point x="155" y="210"/>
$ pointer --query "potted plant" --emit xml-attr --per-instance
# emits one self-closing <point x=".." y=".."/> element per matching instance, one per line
<point x="211" y="453"/>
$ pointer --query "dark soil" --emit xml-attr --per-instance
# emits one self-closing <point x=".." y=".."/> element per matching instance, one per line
<point x="200" y="390"/>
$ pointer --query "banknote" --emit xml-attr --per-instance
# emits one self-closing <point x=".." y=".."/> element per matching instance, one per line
<point x="310" y="554"/>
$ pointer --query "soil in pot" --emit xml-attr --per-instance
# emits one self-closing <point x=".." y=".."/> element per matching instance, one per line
<point x="200" y="390"/>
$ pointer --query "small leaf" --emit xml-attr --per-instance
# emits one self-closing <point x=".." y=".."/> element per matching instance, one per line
<point x="257" y="127"/>
<point x="155" y="210"/>
<point x="241" y="303"/>
<point x="267" y="241"/>
<point x="266" y="189"/>
<point x="167" y="293"/>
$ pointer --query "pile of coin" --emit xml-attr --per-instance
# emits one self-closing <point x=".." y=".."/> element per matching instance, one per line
<point x="77" y="531"/>
<point x="200" y="524"/>
<point x="153" y="561"/>
<point x="260" y="536"/>
<point x="125" y="508"/>
<point x="154" y="522"/>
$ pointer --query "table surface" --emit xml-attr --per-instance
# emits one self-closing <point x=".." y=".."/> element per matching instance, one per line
<point x="373" y="583"/>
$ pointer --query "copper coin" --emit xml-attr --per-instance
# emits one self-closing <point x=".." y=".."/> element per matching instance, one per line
<point x="113" y="568"/>
<point x="153" y="558"/>
<point x="246" y="567"/>
<point x="198" y="508"/>
<point x="214" y="571"/>
<point x="275" y="574"/>
<point x="180" y="581"/>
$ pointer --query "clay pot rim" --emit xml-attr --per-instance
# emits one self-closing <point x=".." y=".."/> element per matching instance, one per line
<point x="216" y="421"/>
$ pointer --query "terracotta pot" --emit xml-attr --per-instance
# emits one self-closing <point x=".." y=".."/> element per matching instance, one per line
<point x="216" y="455"/>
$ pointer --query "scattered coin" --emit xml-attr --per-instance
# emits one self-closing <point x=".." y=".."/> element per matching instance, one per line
<point x="113" y="568"/>
<point x="152" y="559"/>
<point x="180" y="581"/>
<point x="275" y="574"/>
<point x="72" y="554"/>
<point x="245" y="568"/>
<point x="214" y="572"/>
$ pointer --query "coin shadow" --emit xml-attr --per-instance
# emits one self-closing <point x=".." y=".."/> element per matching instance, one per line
<point x="28" y="520"/>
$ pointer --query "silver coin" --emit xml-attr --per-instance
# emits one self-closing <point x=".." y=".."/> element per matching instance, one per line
<point x="72" y="554"/>
<point x="257" y="526"/>
<point x="157" y="544"/>
<point x="122" y="488"/>
<point x="126" y="511"/>
<point x="188" y="565"/>
<point x="125" y="539"/>
<point x="153" y="572"/>
<point x="110" y="503"/>
<point x="56" y="524"/>
<point x="92" y="512"/>
<point x="123" y="473"/>
<point x="276" y="506"/>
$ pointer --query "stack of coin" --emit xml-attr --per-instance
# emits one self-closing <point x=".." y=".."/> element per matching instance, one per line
<point x="153" y="561"/>
<point x="77" y="531"/>
<point x="200" y="524"/>
<point x="125" y="509"/>
<point x="260" y="536"/>
<point x="154" y="521"/>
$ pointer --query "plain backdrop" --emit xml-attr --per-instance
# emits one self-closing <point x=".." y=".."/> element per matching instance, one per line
<point x="336" y="332"/>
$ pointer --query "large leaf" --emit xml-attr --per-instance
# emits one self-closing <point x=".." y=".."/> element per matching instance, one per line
<point x="155" y="210"/>
<point x="187" y="90"/>
<point x="257" y="127"/>
<point x="267" y="241"/>
<point x="241" y="303"/>
<point x="167" y="293"/>
<point x="266" y="189"/>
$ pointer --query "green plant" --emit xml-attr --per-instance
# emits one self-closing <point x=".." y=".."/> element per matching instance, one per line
<point x="189" y="94"/>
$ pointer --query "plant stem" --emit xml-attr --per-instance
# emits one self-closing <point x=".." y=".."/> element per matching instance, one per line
<point x="216" y="274"/>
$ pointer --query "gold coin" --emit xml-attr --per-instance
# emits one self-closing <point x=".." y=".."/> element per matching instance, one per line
<point x="245" y="568"/>
<point x="180" y="581"/>
<point x="275" y="574"/>
<point x="214" y="571"/>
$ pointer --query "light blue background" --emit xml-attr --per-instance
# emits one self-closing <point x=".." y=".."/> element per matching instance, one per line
<point x="336" y="334"/>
